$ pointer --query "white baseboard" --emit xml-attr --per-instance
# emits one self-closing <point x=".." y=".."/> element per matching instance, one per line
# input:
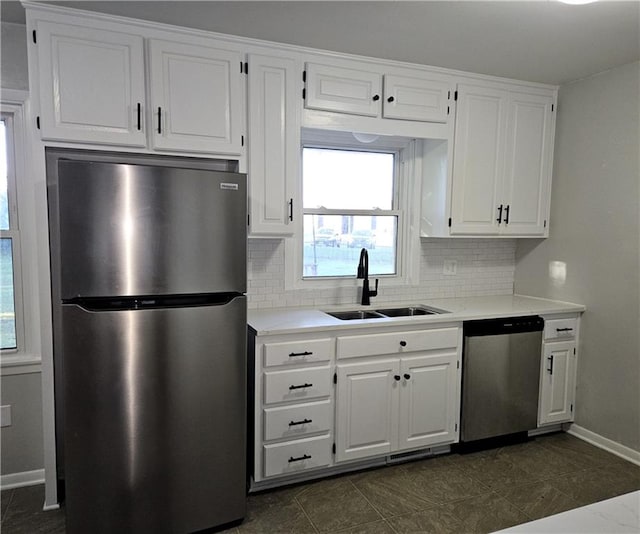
<point x="18" y="480"/>
<point x="607" y="444"/>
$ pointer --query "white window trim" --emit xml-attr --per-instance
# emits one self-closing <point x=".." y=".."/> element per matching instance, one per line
<point x="408" y="189"/>
<point x="27" y="358"/>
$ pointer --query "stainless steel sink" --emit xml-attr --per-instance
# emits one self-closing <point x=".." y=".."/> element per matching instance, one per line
<point x="355" y="314"/>
<point x="410" y="311"/>
<point x="388" y="312"/>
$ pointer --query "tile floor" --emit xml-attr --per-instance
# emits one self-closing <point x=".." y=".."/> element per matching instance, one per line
<point x="479" y="492"/>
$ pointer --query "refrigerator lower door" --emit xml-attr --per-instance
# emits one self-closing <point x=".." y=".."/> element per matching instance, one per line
<point x="155" y="418"/>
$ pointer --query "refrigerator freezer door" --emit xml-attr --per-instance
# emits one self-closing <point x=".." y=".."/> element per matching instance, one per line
<point x="155" y="407"/>
<point x="146" y="230"/>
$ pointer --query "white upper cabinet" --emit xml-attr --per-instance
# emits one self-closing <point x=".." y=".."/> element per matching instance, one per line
<point x="416" y="98"/>
<point x="414" y="95"/>
<point x="274" y="143"/>
<point x="91" y="85"/>
<point x="196" y="94"/>
<point x="478" y="160"/>
<point x="528" y="163"/>
<point x="345" y="90"/>
<point x="502" y="162"/>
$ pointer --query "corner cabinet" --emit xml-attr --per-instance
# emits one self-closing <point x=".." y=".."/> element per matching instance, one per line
<point x="558" y="370"/>
<point x="503" y="150"/>
<point x="274" y="85"/>
<point x="92" y="77"/>
<point x="91" y="84"/>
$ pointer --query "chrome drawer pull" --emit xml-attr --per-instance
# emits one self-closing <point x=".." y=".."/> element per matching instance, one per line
<point x="305" y="353"/>
<point x="303" y="422"/>
<point x="301" y="386"/>
<point x="303" y="457"/>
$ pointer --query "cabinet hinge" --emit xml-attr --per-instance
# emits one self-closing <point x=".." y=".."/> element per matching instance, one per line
<point x="458" y="364"/>
<point x="304" y="75"/>
<point x="335" y="378"/>
<point x="448" y="95"/>
<point x="246" y="67"/>
<point x="456" y="428"/>
<point x="455" y="95"/>
<point x="333" y="449"/>
<point x="304" y="94"/>
<point x="574" y="351"/>
<point x="552" y="107"/>
<point x="242" y="140"/>
<point x="545" y="223"/>
<point x="38" y="122"/>
<point x="449" y="222"/>
<point x="572" y="408"/>
<point x="33" y="34"/>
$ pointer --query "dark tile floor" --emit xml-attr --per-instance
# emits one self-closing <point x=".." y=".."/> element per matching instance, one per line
<point x="479" y="492"/>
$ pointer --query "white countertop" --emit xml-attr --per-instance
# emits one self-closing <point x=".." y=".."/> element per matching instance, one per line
<point x="298" y="320"/>
<point x="620" y="514"/>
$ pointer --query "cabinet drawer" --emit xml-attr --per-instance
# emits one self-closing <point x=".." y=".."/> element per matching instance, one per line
<point x="560" y="328"/>
<point x="314" y="350"/>
<point x="292" y="456"/>
<point x="296" y="421"/>
<point x="397" y="342"/>
<point x="296" y="384"/>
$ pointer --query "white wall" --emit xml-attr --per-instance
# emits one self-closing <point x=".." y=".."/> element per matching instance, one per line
<point x="13" y="56"/>
<point x="594" y="232"/>
<point x="484" y="267"/>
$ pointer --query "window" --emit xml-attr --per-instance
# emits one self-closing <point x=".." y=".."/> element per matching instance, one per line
<point x="11" y="327"/>
<point x="349" y="203"/>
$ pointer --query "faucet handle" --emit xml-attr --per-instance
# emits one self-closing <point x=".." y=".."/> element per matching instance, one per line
<point x="374" y="292"/>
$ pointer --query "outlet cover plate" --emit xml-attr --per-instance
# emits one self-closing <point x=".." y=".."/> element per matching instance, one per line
<point x="450" y="267"/>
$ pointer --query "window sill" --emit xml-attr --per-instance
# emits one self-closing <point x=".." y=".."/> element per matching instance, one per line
<point x="20" y="364"/>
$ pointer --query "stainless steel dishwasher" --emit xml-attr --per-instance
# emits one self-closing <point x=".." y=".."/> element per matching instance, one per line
<point x="500" y="377"/>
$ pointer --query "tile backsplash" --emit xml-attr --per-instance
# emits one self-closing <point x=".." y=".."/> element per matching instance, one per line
<point x="483" y="267"/>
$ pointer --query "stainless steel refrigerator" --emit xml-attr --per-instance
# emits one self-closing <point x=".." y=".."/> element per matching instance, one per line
<point x="148" y="260"/>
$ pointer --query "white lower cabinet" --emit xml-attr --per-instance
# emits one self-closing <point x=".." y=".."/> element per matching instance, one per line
<point x="323" y="399"/>
<point x="558" y="371"/>
<point x="557" y="383"/>
<point x="396" y="404"/>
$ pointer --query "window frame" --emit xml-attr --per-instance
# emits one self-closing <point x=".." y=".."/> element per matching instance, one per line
<point x="405" y="203"/>
<point x="26" y="357"/>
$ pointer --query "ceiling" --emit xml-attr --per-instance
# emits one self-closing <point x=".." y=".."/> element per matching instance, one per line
<point x="542" y="41"/>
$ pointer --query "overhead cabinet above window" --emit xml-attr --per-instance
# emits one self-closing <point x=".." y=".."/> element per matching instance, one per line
<point x="417" y="96"/>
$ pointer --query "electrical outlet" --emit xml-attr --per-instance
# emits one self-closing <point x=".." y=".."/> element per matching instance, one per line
<point x="450" y="267"/>
<point x="5" y="415"/>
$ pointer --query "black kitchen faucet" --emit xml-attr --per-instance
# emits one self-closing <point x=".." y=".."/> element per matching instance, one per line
<point x="363" y="272"/>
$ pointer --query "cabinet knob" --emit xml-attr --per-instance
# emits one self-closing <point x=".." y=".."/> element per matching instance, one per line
<point x="403" y="343"/>
<point x="396" y="377"/>
<point x="376" y="98"/>
<point x="407" y="376"/>
<point x="390" y="99"/>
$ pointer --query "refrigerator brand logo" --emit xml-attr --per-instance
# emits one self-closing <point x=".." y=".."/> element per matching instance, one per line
<point x="233" y="187"/>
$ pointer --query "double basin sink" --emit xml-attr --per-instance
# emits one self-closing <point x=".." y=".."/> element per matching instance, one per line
<point x="385" y="313"/>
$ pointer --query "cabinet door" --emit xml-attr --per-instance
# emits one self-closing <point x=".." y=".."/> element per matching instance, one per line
<point x="274" y="143"/>
<point x="331" y="88"/>
<point x="415" y="99"/>
<point x="428" y="407"/>
<point x="196" y="98"/>
<point x="478" y="160"/>
<point x="367" y="409"/>
<point x="527" y="163"/>
<point x="557" y="383"/>
<point x="91" y="85"/>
